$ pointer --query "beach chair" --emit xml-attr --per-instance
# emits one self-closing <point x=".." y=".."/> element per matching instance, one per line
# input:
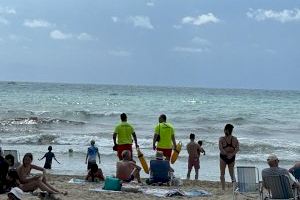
<point x="296" y="174"/>
<point x="159" y="171"/>
<point x="247" y="182"/>
<point x="279" y="187"/>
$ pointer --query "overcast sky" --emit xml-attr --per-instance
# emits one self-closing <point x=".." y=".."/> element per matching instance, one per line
<point x="201" y="43"/>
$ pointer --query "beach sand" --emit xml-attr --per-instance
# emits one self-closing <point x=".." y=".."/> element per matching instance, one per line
<point x="77" y="191"/>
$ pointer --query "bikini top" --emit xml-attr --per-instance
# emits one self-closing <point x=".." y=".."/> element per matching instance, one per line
<point x="227" y="144"/>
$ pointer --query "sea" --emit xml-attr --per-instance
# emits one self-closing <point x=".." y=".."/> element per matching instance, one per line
<point x="68" y="116"/>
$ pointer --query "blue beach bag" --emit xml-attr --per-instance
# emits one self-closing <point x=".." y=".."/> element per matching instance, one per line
<point x="112" y="183"/>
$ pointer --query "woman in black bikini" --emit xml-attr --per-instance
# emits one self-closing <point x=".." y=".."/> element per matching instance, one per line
<point x="229" y="146"/>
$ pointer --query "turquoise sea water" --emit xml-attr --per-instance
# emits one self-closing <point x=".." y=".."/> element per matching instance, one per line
<point x="35" y="115"/>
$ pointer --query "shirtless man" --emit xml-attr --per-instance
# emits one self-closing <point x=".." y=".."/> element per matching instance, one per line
<point x="229" y="146"/>
<point x="30" y="183"/>
<point x="194" y="151"/>
<point x="127" y="170"/>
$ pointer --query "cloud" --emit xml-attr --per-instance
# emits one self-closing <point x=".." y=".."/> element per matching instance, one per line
<point x="85" y="36"/>
<point x="177" y="26"/>
<point x="201" y="41"/>
<point x="3" y="21"/>
<point x="58" y="35"/>
<point x="115" y="19"/>
<point x="200" y="20"/>
<point x="141" y="21"/>
<point x="281" y="16"/>
<point x="37" y="23"/>
<point x="150" y="3"/>
<point x="120" y="53"/>
<point x="7" y="10"/>
<point x="189" y="50"/>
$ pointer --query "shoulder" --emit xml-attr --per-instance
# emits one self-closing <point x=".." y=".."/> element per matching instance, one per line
<point x="221" y="138"/>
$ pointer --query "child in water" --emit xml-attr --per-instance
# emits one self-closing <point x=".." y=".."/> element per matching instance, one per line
<point x="49" y="155"/>
<point x="201" y="149"/>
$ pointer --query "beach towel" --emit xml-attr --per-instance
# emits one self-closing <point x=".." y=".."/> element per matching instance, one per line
<point x="102" y="190"/>
<point x="78" y="181"/>
<point x="160" y="192"/>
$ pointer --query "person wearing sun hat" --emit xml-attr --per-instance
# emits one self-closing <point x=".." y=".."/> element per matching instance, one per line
<point x="274" y="169"/>
<point x="15" y="194"/>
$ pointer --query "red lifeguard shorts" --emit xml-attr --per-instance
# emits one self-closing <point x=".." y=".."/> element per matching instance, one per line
<point x="123" y="147"/>
<point x="167" y="152"/>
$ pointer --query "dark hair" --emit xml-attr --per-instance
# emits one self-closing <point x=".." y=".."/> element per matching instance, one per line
<point x="229" y="127"/>
<point x="163" y="117"/>
<point x="123" y="117"/>
<point x="10" y="157"/>
<point x="200" y="142"/>
<point x="94" y="167"/>
<point x="192" y="136"/>
<point x="50" y="148"/>
<point x="29" y="155"/>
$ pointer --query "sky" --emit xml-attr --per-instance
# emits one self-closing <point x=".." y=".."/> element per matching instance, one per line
<point x="198" y="43"/>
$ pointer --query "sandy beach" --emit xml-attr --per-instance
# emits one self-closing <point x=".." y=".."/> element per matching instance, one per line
<point x="81" y="191"/>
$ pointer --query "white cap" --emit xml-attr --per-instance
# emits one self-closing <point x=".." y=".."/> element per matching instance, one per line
<point x="272" y="157"/>
<point x="17" y="192"/>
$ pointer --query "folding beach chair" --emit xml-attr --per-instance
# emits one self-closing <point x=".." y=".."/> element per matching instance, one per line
<point x="296" y="174"/>
<point x="279" y="187"/>
<point x="247" y="182"/>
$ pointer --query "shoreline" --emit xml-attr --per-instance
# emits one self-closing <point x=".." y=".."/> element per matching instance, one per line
<point x="81" y="191"/>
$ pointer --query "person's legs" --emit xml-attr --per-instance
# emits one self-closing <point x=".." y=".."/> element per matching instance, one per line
<point x="196" y="174"/>
<point x="136" y="174"/>
<point x="222" y="173"/>
<point x="44" y="181"/>
<point x="231" y="171"/>
<point x="190" y="166"/>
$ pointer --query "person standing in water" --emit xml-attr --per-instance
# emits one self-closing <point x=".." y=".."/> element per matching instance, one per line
<point x="229" y="146"/>
<point x="164" y="135"/>
<point x="124" y="132"/>
<point x="49" y="155"/>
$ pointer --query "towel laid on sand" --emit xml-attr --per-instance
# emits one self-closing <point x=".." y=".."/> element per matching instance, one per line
<point x="160" y="192"/>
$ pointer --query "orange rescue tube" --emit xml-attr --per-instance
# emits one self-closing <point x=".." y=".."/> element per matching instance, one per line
<point x="142" y="161"/>
<point x="176" y="152"/>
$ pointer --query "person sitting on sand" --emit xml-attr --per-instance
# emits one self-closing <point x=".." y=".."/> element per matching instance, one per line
<point x="15" y="194"/>
<point x="49" y="155"/>
<point x="193" y="150"/>
<point x="3" y="172"/>
<point x="29" y="183"/>
<point x="274" y="169"/>
<point x="11" y="161"/>
<point x="160" y="170"/>
<point x="12" y="179"/>
<point x="229" y="146"/>
<point x="91" y="155"/>
<point x="95" y="174"/>
<point x="127" y="170"/>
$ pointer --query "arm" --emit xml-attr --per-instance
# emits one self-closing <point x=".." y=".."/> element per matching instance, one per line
<point x="39" y="169"/>
<point x="56" y="160"/>
<point x="115" y="138"/>
<point x="221" y="147"/>
<point x="99" y="157"/>
<point x="135" y="140"/>
<point x="174" y="141"/>
<point x="237" y="148"/>
<point x="42" y="157"/>
<point x="86" y="158"/>
<point x="154" y="140"/>
<point x="202" y="151"/>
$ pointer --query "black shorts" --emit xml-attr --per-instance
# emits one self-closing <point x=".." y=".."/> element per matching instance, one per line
<point x="89" y="166"/>
<point x="226" y="160"/>
<point x="47" y="166"/>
